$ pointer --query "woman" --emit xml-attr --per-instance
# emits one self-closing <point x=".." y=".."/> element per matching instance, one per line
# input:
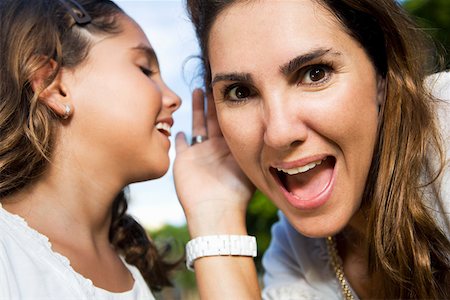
<point x="83" y="113"/>
<point x="324" y="108"/>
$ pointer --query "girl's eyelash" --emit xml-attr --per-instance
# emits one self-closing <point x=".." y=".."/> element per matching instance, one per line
<point x="146" y="71"/>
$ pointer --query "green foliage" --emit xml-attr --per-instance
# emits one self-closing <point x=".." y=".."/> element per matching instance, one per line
<point x="434" y="17"/>
<point x="174" y="239"/>
<point x="261" y="214"/>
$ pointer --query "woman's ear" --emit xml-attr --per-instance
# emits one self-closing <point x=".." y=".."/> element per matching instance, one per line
<point x="55" y="95"/>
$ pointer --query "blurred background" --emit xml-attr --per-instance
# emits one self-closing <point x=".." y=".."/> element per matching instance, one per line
<point x="154" y="204"/>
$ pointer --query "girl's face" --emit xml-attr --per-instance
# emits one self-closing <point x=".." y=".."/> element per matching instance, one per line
<point x="297" y="100"/>
<point x="122" y="108"/>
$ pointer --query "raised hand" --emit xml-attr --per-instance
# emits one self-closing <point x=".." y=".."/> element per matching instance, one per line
<point x="211" y="187"/>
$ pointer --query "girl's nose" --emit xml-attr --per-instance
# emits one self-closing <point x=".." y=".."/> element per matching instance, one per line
<point x="170" y="100"/>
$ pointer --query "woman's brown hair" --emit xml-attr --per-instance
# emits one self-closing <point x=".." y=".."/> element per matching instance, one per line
<point x="408" y="252"/>
<point x="52" y="29"/>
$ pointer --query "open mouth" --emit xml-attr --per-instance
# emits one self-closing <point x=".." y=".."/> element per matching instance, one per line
<point x="307" y="182"/>
<point x="164" y="128"/>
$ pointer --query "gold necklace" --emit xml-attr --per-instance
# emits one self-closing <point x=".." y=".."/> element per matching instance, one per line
<point x="338" y="268"/>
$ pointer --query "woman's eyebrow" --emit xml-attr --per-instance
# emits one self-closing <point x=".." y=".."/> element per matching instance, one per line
<point x="286" y="69"/>
<point x="297" y="62"/>
<point x="231" y="77"/>
<point x="148" y="52"/>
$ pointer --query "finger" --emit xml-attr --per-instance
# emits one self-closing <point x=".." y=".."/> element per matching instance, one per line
<point x="211" y="117"/>
<point x="198" y="113"/>
<point x="180" y="142"/>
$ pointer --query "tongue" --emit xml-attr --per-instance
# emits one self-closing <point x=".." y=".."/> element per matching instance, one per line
<point x="310" y="184"/>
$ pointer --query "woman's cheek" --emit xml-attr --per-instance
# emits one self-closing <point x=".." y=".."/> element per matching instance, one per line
<point x="240" y="127"/>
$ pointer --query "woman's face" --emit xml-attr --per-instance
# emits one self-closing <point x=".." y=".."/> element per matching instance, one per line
<point x="122" y="108"/>
<point x="297" y="100"/>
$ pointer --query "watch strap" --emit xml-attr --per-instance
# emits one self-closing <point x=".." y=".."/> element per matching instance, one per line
<point x="218" y="245"/>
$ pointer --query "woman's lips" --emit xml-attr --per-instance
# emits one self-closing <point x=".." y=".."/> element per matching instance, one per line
<point x="308" y="186"/>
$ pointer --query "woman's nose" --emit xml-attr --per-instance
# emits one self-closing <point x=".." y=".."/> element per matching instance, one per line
<point x="284" y="126"/>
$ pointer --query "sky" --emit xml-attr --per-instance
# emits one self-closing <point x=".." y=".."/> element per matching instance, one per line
<point x="154" y="203"/>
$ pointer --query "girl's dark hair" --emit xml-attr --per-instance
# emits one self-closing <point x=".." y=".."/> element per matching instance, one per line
<point x="31" y="30"/>
<point x="407" y="251"/>
<point x="131" y="239"/>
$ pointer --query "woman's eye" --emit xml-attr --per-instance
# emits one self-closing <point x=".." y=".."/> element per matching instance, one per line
<point x="315" y="75"/>
<point x="238" y="93"/>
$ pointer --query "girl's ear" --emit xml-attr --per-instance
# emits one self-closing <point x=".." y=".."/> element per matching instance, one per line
<point x="55" y="95"/>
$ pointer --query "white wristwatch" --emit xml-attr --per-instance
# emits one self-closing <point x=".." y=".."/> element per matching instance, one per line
<point x="215" y="245"/>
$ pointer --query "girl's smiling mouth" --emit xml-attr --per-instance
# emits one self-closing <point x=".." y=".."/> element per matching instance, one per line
<point x="309" y="185"/>
<point x="164" y="128"/>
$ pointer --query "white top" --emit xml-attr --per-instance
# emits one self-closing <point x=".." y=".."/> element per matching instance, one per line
<point x="30" y="269"/>
<point x="298" y="267"/>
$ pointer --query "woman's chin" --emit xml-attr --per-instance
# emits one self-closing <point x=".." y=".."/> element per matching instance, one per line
<point x="316" y="226"/>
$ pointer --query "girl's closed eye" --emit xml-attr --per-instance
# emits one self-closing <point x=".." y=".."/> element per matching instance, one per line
<point x="147" y="71"/>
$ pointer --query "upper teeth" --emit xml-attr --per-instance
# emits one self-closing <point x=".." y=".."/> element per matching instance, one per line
<point x="163" y="126"/>
<point x="301" y="169"/>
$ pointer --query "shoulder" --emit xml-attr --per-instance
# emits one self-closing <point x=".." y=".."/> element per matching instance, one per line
<point x="439" y="85"/>
<point x="10" y="261"/>
<point x="28" y="267"/>
<point x="283" y="260"/>
<point x="140" y="286"/>
<point x="296" y="266"/>
<point x="286" y="249"/>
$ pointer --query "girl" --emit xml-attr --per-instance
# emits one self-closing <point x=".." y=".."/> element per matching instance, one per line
<point x="325" y="108"/>
<point x="83" y="113"/>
